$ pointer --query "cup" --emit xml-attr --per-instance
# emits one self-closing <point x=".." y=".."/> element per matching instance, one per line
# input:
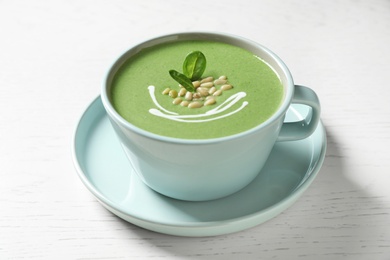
<point x="167" y="164"/>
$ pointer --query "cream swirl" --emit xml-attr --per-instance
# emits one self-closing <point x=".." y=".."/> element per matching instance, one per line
<point x="228" y="103"/>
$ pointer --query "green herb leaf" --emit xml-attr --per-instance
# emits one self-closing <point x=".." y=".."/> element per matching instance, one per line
<point x="183" y="80"/>
<point x="194" y="65"/>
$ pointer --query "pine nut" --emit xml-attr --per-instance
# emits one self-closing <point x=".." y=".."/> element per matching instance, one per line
<point x="206" y="85"/>
<point x="182" y="92"/>
<point x="188" y="96"/>
<point x="196" y="95"/>
<point x="218" y="92"/>
<point x="196" y="84"/>
<point x="212" y="90"/>
<point x="184" y="103"/>
<point x="166" y="91"/>
<point x="208" y="79"/>
<point x="220" y="81"/>
<point x="173" y="93"/>
<point x="195" y="104"/>
<point x="223" y="77"/>
<point x="226" y="87"/>
<point x="209" y="101"/>
<point x="203" y="91"/>
<point x="176" y="101"/>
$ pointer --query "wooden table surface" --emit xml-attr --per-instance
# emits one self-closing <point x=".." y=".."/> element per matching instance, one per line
<point x="53" y="56"/>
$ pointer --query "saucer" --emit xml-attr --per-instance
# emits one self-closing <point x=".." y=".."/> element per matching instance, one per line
<point x="106" y="172"/>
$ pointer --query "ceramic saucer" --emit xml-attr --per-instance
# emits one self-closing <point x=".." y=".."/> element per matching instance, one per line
<point x="106" y="172"/>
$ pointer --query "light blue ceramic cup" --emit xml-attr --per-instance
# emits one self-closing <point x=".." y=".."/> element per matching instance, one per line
<point x="169" y="166"/>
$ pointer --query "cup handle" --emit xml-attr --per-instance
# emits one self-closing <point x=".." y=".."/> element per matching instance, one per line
<point x="298" y="130"/>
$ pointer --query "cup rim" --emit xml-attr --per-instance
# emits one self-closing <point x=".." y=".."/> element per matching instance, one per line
<point x="288" y="87"/>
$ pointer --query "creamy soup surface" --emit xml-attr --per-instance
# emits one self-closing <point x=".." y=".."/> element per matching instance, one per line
<point x="138" y="86"/>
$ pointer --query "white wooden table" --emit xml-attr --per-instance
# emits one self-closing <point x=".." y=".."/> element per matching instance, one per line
<point x="53" y="56"/>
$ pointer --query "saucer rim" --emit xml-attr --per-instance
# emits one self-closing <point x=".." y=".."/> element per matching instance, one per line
<point x="202" y="228"/>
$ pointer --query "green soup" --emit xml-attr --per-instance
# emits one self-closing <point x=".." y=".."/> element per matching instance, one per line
<point x="138" y="85"/>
